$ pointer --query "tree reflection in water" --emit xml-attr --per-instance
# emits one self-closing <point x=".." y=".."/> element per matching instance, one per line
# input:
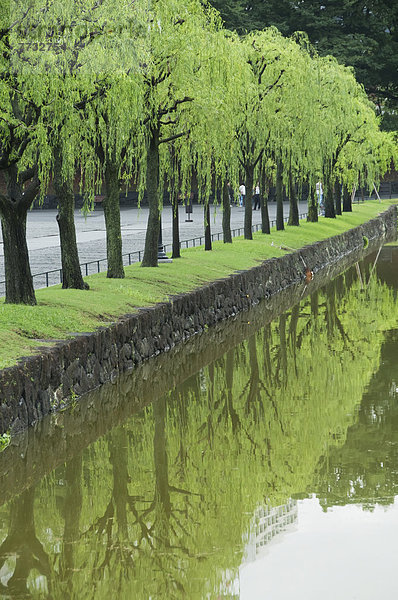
<point x="22" y="544"/>
<point x="161" y="506"/>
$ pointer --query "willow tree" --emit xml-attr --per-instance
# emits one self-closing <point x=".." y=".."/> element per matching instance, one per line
<point x="64" y="135"/>
<point x="38" y="93"/>
<point x="23" y="98"/>
<point x="112" y="155"/>
<point x="65" y="148"/>
<point x="369" y="155"/>
<point x="176" y="55"/>
<point x="343" y="116"/>
<point x="292" y="144"/>
<point x="276" y="112"/>
<point x="44" y="49"/>
<point x="100" y="66"/>
<point x="333" y="111"/>
<point x="252" y="132"/>
<point x="362" y="153"/>
<point x="213" y="140"/>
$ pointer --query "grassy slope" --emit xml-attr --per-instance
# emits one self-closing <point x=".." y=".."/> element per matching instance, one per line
<point x="60" y="313"/>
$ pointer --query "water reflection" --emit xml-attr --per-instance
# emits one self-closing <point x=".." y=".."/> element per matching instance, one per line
<point x="21" y="553"/>
<point x="269" y="523"/>
<point x="365" y="469"/>
<point x="169" y="501"/>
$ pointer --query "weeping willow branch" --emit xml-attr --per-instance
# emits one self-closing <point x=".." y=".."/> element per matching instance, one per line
<point x="174" y="137"/>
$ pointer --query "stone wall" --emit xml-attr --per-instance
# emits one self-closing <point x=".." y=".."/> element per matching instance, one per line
<point x="45" y="383"/>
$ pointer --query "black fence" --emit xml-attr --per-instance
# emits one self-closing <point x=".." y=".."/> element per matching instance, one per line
<point x="54" y="277"/>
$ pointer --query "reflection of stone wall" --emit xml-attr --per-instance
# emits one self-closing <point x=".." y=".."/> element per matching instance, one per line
<point x="270" y="522"/>
<point x="45" y="383"/>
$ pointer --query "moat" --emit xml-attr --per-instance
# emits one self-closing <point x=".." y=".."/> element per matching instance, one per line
<point x="269" y="470"/>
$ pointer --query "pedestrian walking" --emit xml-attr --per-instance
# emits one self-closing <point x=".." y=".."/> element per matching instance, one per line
<point x="242" y="194"/>
<point x="256" y="197"/>
<point x="319" y="195"/>
<point x="230" y="193"/>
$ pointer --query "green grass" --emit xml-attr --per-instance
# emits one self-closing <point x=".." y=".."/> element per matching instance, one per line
<point x="62" y="313"/>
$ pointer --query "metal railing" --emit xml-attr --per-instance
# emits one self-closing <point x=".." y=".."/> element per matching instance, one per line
<point x="54" y="276"/>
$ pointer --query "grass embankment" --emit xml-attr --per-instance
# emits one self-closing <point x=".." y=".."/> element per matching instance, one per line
<point x="61" y="313"/>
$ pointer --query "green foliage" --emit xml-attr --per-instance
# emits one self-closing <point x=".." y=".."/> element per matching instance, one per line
<point x="85" y="85"/>
<point x="359" y="34"/>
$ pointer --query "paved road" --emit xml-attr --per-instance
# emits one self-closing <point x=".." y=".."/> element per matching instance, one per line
<point x="43" y="239"/>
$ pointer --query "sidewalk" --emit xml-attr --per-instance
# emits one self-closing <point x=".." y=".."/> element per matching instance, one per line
<point x="44" y="245"/>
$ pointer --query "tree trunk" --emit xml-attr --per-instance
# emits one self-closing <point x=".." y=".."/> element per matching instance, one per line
<point x="347" y="205"/>
<point x="293" y="212"/>
<point x="265" y="225"/>
<point x="162" y="486"/>
<point x="337" y="198"/>
<point x="176" y="225"/>
<point x="249" y="171"/>
<point x="294" y="318"/>
<point x="229" y="370"/>
<point x="112" y="222"/>
<point x="72" y="512"/>
<point x="174" y="197"/>
<point x="279" y="197"/>
<point x="330" y="312"/>
<point x="19" y="283"/>
<point x="118" y="450"/>
<point x="226" y="215"/>
<point x="208" y="245"/>
<point x="13" y="211"/>
<point x="312" y="216"/>
<point x="283" y="348"/>
<point x="150" y="258"/>
<point x="22" y="543"/>
<point x="329" y="200"/>
<point x="267" y="343"/>
<point x="252" y="404"/>
<point x="71" y="272"/>
<point x="314" y="306"/>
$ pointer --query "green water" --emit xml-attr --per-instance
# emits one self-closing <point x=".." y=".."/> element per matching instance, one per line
<point x="260" y="464"/>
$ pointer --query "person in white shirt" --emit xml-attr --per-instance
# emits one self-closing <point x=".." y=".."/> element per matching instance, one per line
<point x="319" y="195"/>
<point x="256" y="197"/>
<point x="242" y="194"/>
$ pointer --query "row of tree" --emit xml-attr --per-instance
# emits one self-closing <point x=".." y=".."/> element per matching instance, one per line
<point x="363" y="34"/>
<point x="151" y="93"/>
